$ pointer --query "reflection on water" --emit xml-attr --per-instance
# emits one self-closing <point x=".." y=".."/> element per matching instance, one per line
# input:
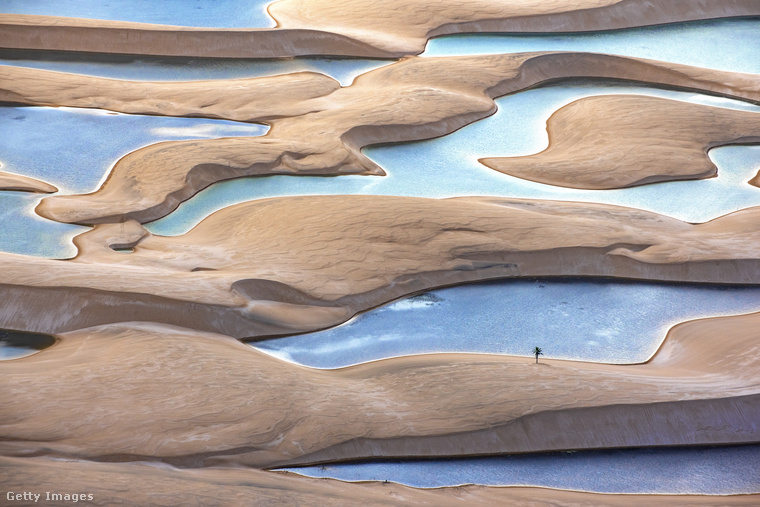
<point x="448" y="166"/>
<point x="724" y="44"/>
<point x="588" y="320"/>
<point x="694" y="471"/>
<point x="74" y="149"/>
<point x="15" y="344"/>
<point x="207" y="13"/>
<point x="149" y="68"/>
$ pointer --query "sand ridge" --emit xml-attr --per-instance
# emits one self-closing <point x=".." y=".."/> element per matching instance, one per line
<point x="147" y="371"/>
<point x="281" y="265"/>
<point x="20" y="183"/>
<point x="318" y="128"/>
<point x="222" y="402"/>
<point x="615" y="141"/>
<point x="144" y="484"/>
<point x="357" y="27"/>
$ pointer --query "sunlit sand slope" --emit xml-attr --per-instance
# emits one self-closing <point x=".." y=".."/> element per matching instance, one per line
<point x="616" y="141"/>
<point x="392" y="28"/>
<point x="139" y="391"/>
<point x="317" y="128"/>
<point x="144" y="484"/>
<point x="19" y="183"/>
<point x="292" y="264"/>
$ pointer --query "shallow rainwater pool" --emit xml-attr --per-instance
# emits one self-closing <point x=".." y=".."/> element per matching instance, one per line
<point x="695" y="471"/>
<point x="581" y="319"/>
<point x="448" y="166"/>
<point x="16" y="344"/>
<point x="74" y="149"/>
<point x="724" y="44"/>
<point x="202" y="13"/>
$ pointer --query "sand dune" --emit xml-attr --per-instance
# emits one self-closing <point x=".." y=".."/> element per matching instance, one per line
<point x="19" y="183"/>
<point x="222" y="402"/>
<point x="357" y="27"/>
<point x="615" y="141"/>
<point x="146" y="373"/>
<point x="143" y="484"/>
<point x="317" y="127"/>
<point x="293" y="264"/>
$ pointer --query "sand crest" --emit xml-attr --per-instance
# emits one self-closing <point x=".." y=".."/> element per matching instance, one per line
<point x="616" y="141"/>
<point x="19" y="183"/>
<point x="317" y="127"/>
<point x="222" y="402"/>
<point x="144" y="484"/>
<point x="248" y="270"/>
<point x="394" y="28"/>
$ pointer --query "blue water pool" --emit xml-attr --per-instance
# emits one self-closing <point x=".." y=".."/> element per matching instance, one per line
<point x="448" y="166"/>
<point x="206" y="13"/>
<point x="147" y="68"/>
<point x="582" y="319"/>
<point x="16" y="344"/>
<point x="74" y="149"/>
<point x="724" y="44"/>
<point x="675" y="471"/>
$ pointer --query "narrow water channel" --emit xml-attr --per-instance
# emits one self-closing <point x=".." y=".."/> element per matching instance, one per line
<point x="674" y="471"/>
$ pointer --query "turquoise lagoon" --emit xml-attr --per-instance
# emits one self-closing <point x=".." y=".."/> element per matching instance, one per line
<point x="448" y="166"/>
<point x="74" y="149"/>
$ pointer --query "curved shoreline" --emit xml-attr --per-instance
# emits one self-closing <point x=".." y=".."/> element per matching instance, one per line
<point x="693" y="392"/>
<point x="400" y="102"/>
<point x="283" y="265"/>
<point x="608" y="142"/>
<point x="144" y="484"/>
<point x="357" y="28"/>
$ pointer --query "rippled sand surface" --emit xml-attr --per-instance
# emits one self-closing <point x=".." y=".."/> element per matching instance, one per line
<point x="237" y="239"/>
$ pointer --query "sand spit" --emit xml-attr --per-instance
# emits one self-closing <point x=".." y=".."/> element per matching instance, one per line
<point x="616" y="141"/>
<point x="222" y="402"/>
<point x="356" y="27"/>
<point x="290" y="264"/>
<point x="143" y="484"/>
<point x="317" y="128"/>
<point x="19" y="183"/>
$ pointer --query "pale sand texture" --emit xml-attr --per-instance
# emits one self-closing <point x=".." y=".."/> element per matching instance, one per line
<point x="53" y="33"/>
<point x="357" y="27"/>
<point x="19" y="183"/>
<point x="317" y="128"/>
<point x="139" y="391"/>
<point x="401" y="26"/>
<point x="142" y="484"/>
<point x="617" y="141"/>
<point x="289" y="264"/>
